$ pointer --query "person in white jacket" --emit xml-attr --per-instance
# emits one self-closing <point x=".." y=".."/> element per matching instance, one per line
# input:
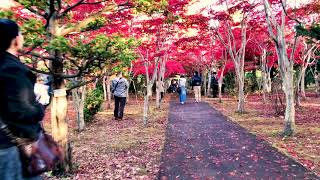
<point x="42" y="92"/>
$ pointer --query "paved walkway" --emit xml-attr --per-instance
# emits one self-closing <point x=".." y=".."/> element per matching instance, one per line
<point x="202" y="144"/>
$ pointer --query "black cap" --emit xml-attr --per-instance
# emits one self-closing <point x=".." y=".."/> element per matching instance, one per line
<point x="8" y="31"/>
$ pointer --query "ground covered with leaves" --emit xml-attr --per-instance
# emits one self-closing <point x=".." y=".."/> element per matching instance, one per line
<point x="110" y="149"/>
<point x="260" y="119"/>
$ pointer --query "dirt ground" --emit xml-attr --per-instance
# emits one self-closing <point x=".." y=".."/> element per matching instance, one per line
<point x="110" y="149"/>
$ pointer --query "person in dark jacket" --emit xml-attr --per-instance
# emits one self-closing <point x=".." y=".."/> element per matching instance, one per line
<point x="196" y="85"/>
<point x="19" y="109"/>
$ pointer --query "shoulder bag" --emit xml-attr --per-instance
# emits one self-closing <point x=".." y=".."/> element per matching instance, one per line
<point x="37" y="157"/>
<point x="115" y="87"/>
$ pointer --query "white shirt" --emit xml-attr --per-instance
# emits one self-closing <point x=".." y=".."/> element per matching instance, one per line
<point x="41" y="92"/>
<point x="182" y="82"/>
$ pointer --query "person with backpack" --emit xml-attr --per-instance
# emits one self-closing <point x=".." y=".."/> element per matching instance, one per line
<point x="196" y="84"/>
<point x="119" y="88"/>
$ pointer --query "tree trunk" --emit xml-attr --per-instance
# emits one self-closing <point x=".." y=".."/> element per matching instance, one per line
<point x="277" y="33"/>
<point x="241" y="98"/>
<point x="159" y="83"/>
<point x="135" y="91"/>
<point x="220" y="81"/>
<point x="59" y="107"/>
<point x="146" y="104"/>
<point x="145" y="110"/>
<point x="104" y="88"/>
<point x="209" y="82"/>
<point x="290" y="110"/>
<point x="59" y="126"/>
<point x="264" y="84"/>
<point x="109" y="92"/>
<point x="78" y="96"/>
<point x="317" y="80"/>
<point x="204" y="74"/>
<point x="158" y="95"/>
<point x="302" y="84"/>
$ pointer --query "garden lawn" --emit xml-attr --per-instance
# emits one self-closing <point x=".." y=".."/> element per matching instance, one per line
<point x="261" y="120"/>
<point x="109" y="149"/>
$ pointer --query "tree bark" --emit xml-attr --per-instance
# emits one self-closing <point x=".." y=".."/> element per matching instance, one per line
<point x="59" y="126"/>
<point x="209" y="81"/>
<point x="237" y="55"/>
<point x="290" y="109"/>
<point x="158" y="95"/>
<point x="104" y="88"/>
<point x="241" y="97"/>
<point x="317" y="80"/>
<point x="59" y="108"/>
<point x="302" y="84"/>
<point x="159" y="83"/>
<point x="266" y="78"/>
<point x="145" y="110"/>
<point x="220" y="82"/>
<point x="109" y="92"/>
<point x="277" y="33"/>
<point x="146" y="104"/>
<point x="78" y="96"/>
<point x="204" y="75"/>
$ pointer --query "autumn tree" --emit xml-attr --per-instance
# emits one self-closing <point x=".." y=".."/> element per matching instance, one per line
<point x="276" y="29"/>
<point x="64" y="35"/>
<point x="233" y="35"/>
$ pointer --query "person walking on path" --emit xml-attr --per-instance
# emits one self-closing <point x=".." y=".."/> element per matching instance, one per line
<point x="19" y="110"/>
<point x="182" y="89"/>
<point x="196" y="84"/>
<point x="119" y="89"/>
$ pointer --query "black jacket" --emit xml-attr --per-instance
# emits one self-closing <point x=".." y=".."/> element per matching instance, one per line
<point x="196" y="80"/>
<point x="18" y="106"/>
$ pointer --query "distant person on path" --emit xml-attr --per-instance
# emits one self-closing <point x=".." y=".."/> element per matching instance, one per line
<point x="214" y="84"/>
<point x="182" y="89"/>
<point x="19" y="110"/>
<point x="196" y="84"/>
<point x="119" y="88"/>
<point x="173" y="86"/>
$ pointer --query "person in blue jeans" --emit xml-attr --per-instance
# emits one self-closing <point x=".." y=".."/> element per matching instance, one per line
<point x="183" y="90"/>
<point x="19" y="110"/>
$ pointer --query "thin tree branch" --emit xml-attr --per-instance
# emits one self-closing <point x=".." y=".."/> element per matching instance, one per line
<point x="51" y="58"/>
<point x="82" y="84"/>
<point x="38" y="71"/>
<point x="285" y="11"/>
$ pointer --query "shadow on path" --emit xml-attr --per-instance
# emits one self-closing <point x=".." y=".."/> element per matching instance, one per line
<point x="202" y="144"/>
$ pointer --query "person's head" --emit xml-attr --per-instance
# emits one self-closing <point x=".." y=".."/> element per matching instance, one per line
<point x="182" y="76"/>
<point x="196" y="73"/>
<point x="119" y="74"/>
<point x="11" y="38"/>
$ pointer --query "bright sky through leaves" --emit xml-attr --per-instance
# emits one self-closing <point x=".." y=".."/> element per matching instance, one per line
<point x="197" y="5"/>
